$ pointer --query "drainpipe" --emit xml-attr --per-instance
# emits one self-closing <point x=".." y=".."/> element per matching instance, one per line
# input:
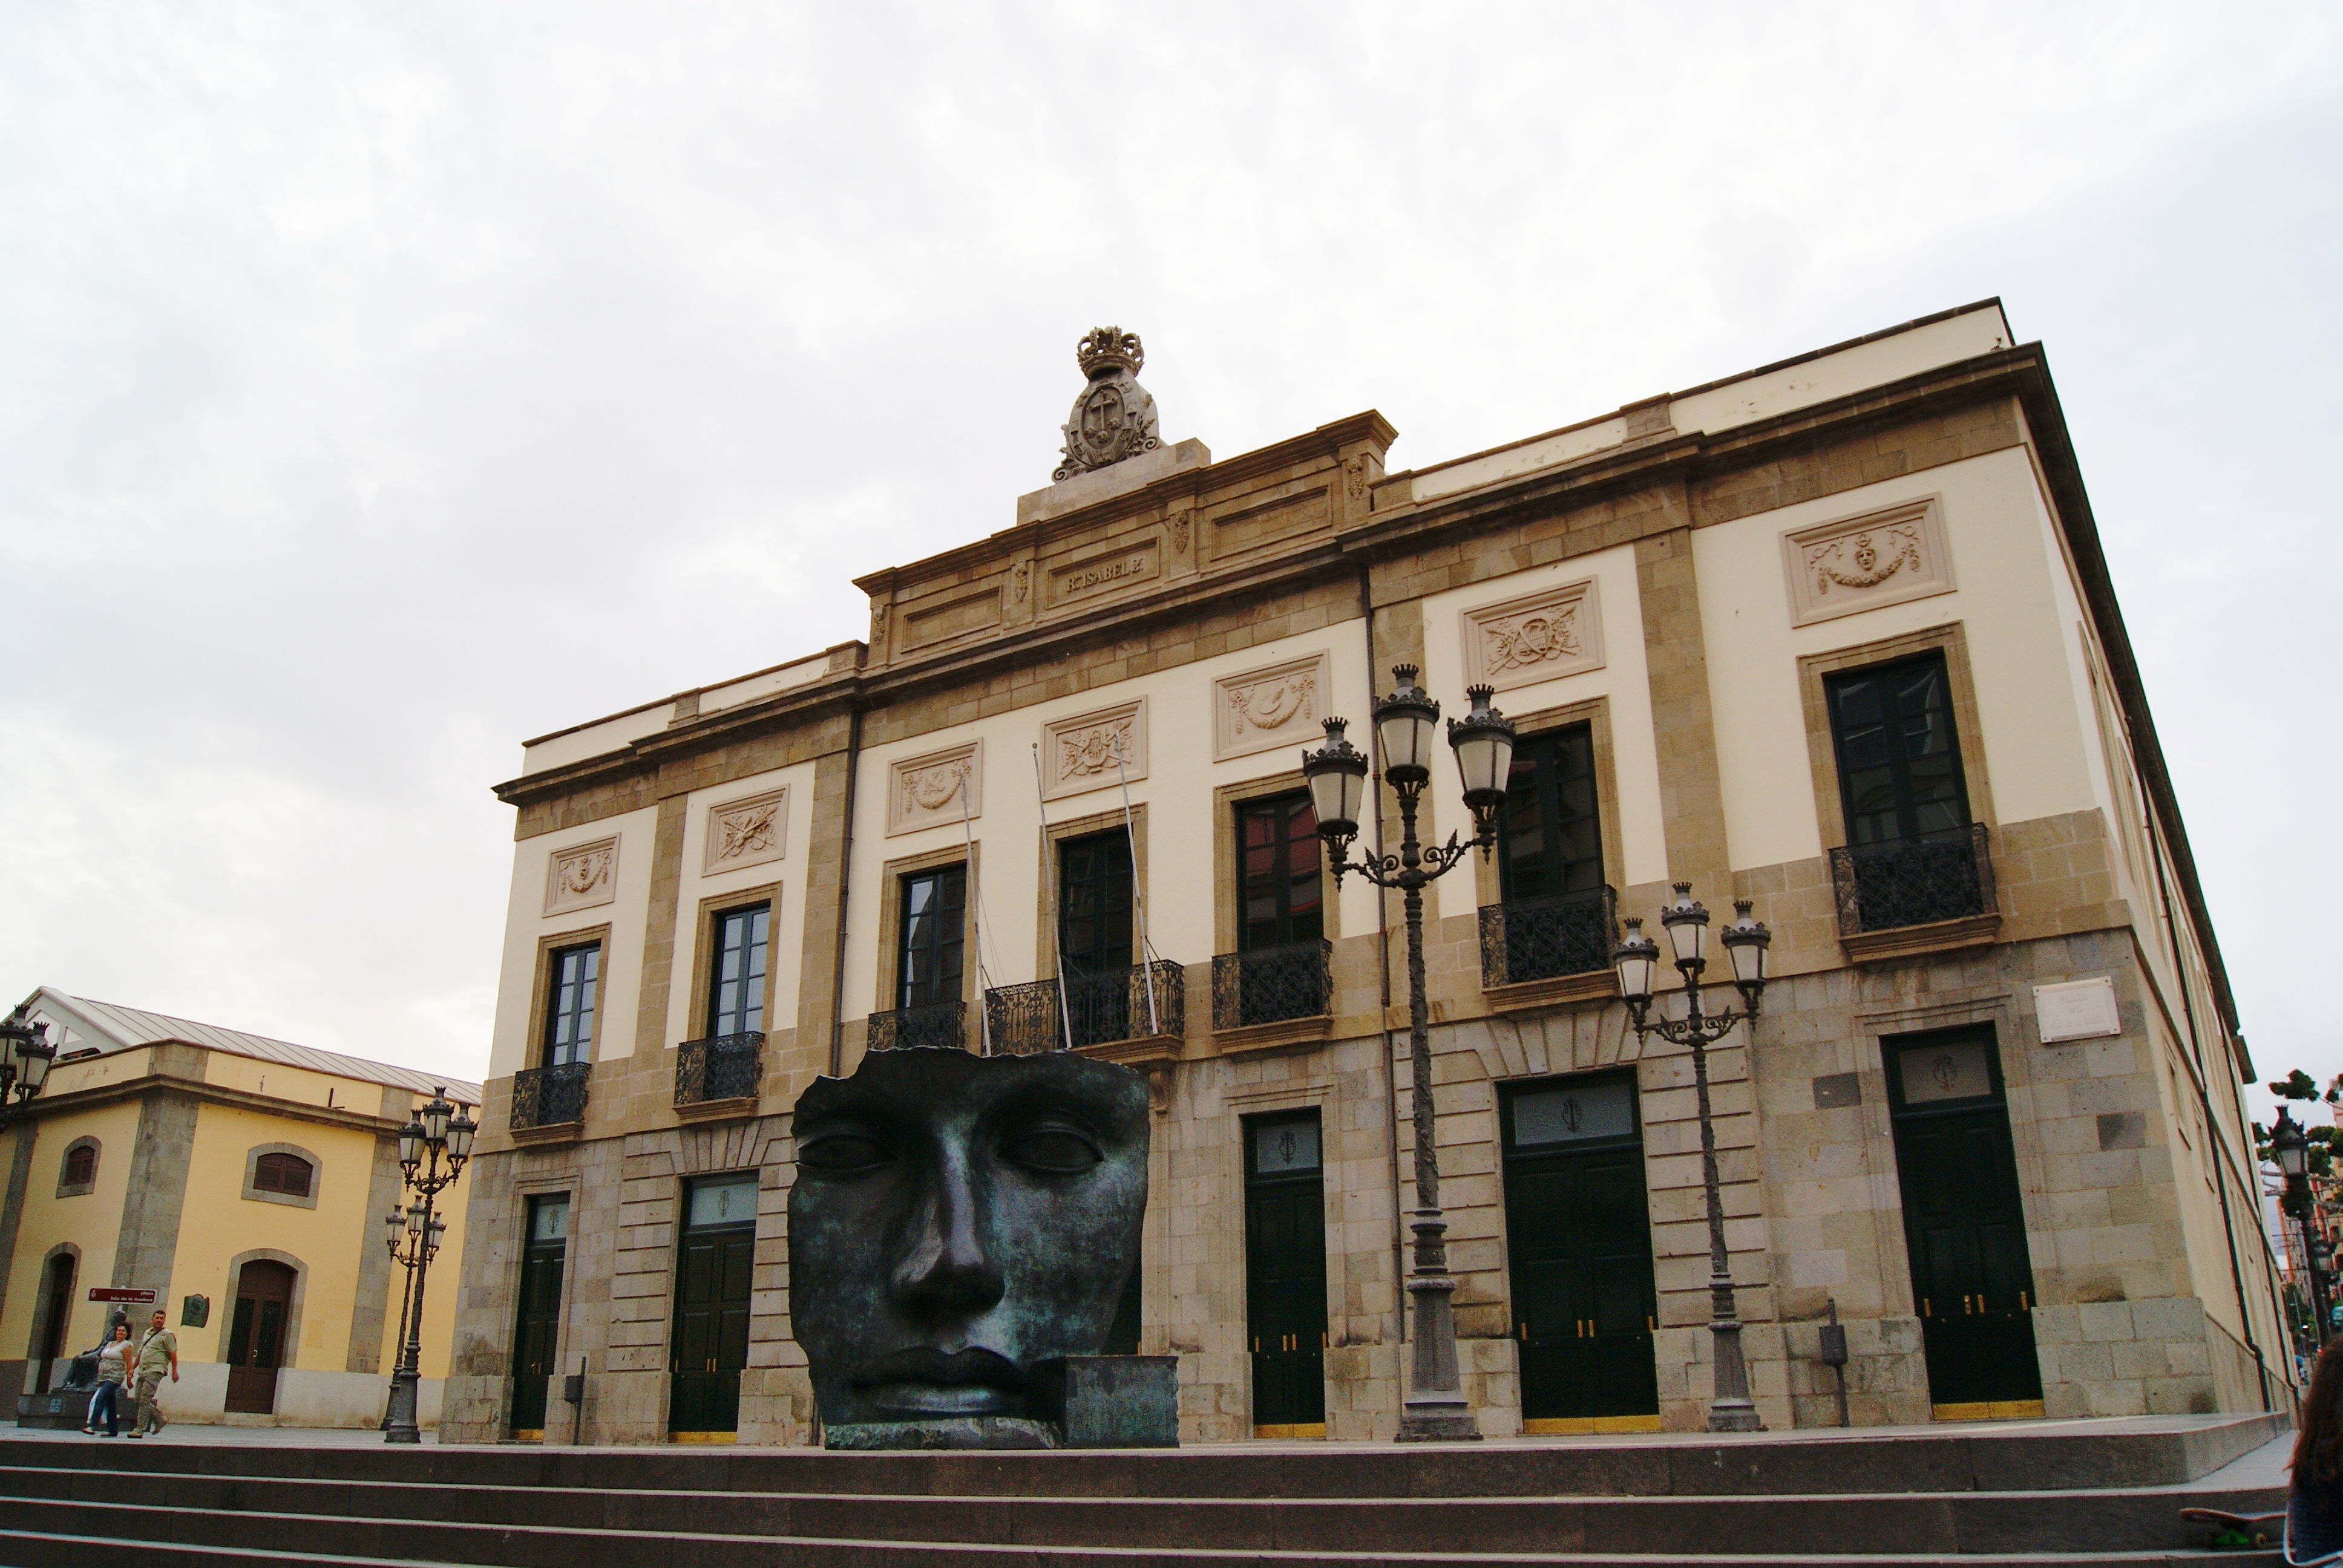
<point x="845" y="888"/>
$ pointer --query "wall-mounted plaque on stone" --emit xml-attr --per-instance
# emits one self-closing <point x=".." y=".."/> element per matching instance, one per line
<point x="1538" y="636"/>
<point x="1083" y="752"/>
<point x="746" y="832"/>
<point x="1262" y="709"/>
<point x="582" y="876"/>
<point x="1862" y="563"/>
<point x="938" y="787"/>
<point x="2078" y="1009"/>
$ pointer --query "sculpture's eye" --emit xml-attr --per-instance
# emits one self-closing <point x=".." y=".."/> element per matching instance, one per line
<point x="844" y="1154"/>
<point x="1058" y="1150"/>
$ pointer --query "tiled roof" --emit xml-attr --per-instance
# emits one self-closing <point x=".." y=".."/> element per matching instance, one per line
<point x="126" y="1028"/>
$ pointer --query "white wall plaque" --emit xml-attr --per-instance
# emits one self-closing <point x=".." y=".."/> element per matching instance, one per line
<point x="1080" y="753"/>
<point x="1862" y="563"/>
<point x="746" y="832"/>
<point x="582" y="876"/>
<point x="1261" y="710"/>
<point x="2076" y="1010"/>
<point x="1539" y="637"/>
<point x="935" y="788"/>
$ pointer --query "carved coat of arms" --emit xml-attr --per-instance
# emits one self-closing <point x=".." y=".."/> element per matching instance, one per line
<point x="1114" y="418"/>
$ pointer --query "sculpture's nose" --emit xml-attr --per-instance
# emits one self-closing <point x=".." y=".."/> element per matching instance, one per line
<point x="946" y="1268"/>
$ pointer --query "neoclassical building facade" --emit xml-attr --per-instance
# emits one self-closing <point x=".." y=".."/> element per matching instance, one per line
<point x="1835" y="636"/>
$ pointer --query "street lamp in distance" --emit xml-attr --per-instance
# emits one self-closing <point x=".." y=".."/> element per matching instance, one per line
<point x="25" y="1054"/>
<point x="432" y="1148"/>
<point x="1637" y="961"/>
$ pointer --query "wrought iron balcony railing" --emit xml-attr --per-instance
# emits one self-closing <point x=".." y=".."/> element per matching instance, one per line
<point x="1025" y="1019"/>
<point x="550" y="1096"/>
<point x="722" y="1067"/>
<point x="1544" y="939"/>
<point x="1271" y="984"/>
<point x="944" y="1026"/>
<point x="1912" y="881"/>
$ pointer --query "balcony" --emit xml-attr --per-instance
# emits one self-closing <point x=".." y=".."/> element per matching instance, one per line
<point x="1273" y="996"/>
<point x="1538" y="952"/>
<point x="1904" y="897"/>
<point x="1106" y="1011"/>
<point x="941" y="1026"/>
<point x="723" y="1070"/>
<point x="549" y="1099"/>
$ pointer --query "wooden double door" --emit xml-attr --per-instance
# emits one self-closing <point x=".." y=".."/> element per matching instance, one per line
<point x="537" y="1336"/>
<point x="1964" y="1225"/>
<point x="257" y="1346"/>
<point x="1285" y="1275"/>
<point x="713" y="1269"/>
<point x="1579" y="1239"/>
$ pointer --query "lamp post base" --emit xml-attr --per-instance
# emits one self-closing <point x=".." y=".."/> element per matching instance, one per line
<point x="398" y="1425"/>
<point x="1434" y="1410"/>
<point x="1731" y="1410"/>
<point x="1438" y="1421"/>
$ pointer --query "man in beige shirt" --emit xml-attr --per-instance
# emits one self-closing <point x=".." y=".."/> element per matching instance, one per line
<point x="158" y="1352"/>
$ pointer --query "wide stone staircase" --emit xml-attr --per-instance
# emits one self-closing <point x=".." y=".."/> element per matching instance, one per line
<point x="2037" y="1492"/>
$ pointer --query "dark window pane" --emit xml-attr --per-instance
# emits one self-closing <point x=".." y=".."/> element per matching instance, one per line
<point x="1280" y="891"/>
<point x="736" y="998"/>
<point x="930" y="936"/>
<point x="81" y="1166"/>
<point x="1899" y="758"/>
<point x="1551" y="830"/>
<point x="1094" y="903"/>
<point x="569" y="1006"/>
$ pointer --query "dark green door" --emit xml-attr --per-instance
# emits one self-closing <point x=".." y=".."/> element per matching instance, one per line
<point x="536" y="1337"/>
<point x="1579" y="1236"/>
<point x="711" y="1305"/>
<point x="1285" y="1274"/>
<point x="1964" y="1224"/>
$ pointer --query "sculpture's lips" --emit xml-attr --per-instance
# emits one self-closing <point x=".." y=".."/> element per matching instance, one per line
<point x="925" y="1381"/>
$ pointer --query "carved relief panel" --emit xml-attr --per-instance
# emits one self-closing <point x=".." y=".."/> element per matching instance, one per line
<point x="746" y="832"/>
<point x="581" y="877"/>
<point x="1262" y="709"/>
<point x="1081" y="752"/>
<point x="939" y="787"/>
<point x="1538" y="636"/>
<point x="1862" y="563"/>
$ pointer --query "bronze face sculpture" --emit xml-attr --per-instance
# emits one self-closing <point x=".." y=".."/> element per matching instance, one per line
<point x="955" y="1221"/>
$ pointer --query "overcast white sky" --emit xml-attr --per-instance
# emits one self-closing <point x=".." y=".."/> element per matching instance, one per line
<point x="380" y="386"/>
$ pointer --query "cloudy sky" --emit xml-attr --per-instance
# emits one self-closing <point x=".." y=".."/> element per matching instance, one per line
<point x="380" y="386"/>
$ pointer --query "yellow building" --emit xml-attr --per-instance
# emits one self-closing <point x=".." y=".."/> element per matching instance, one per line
<point x="242" y="1179"/>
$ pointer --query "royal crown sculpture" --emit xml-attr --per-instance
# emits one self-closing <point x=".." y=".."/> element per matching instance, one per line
<point x="1114" y="418"/>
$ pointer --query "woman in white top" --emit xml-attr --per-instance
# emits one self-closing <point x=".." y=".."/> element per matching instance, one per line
<point x="112" y="1372"/>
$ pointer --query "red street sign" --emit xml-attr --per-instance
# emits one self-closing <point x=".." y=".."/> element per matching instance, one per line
<point x="118" y="1293"/>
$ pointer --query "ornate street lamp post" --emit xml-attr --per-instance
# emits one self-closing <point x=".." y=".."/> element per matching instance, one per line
<point x="438" y="1131"/>
<point x="1638" y="958"/>
<point x="411" y="1246"/>
<point x="2291" y="1149"/>
<point x="25" y="1057"/>
<point x="1405" y="725"/>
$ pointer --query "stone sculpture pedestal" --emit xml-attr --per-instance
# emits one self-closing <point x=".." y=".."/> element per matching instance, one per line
<point x="1078" y="1401"/>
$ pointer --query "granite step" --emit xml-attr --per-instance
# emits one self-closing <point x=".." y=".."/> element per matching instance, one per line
<point x="2029" y="1457"/>
<point x="519" y="1526"/>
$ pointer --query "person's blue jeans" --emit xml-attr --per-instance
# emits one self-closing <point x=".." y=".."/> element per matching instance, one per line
<point x="108" y="1397"/>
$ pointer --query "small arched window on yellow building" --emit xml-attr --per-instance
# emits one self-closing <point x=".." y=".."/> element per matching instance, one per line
<point x="79" y="1173"/>
<point x="281" y="1173"/>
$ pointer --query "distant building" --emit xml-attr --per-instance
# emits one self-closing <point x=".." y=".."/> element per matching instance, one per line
<point x="244" y="1181"/>
<point x="1835" y="636"/>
